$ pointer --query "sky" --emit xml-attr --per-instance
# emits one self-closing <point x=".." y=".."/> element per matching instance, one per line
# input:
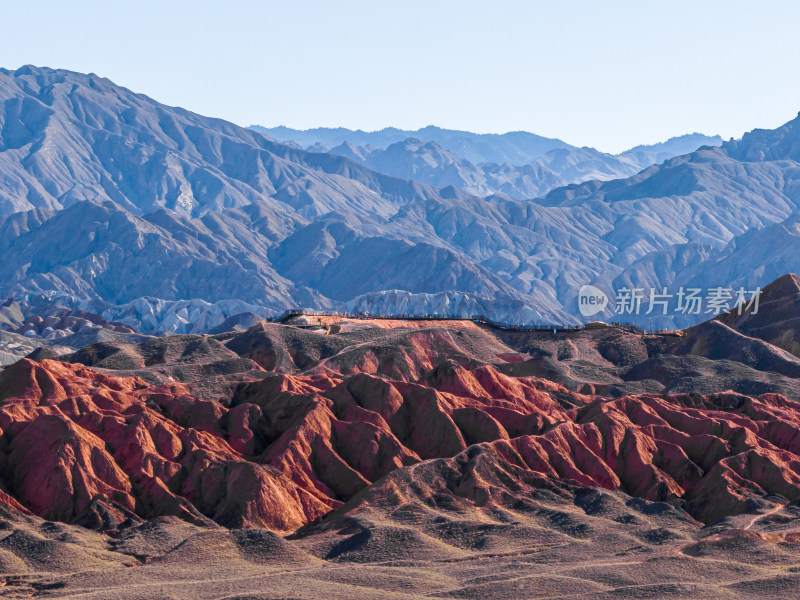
<point x="605" y="74"/>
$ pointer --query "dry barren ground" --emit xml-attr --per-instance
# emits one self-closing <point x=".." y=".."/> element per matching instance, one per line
<point x="598" y="544"/>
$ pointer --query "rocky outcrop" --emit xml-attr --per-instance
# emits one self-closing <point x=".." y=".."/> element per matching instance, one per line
<point x="64" y="323"/>
<point x="88" y="448"/>
<point x="778" y="318"/>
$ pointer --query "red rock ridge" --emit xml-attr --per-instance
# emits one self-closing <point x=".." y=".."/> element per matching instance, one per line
<point x="85" y="447"/>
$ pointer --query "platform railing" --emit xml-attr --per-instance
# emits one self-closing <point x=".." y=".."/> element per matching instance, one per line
<point x="479" y="319"/>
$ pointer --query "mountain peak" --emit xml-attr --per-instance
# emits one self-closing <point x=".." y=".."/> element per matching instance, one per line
<point x="778" y="318"/>
<point x="782" y="143"/>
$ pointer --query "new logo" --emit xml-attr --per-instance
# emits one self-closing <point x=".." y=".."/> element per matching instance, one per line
<point x="591" y="300"/>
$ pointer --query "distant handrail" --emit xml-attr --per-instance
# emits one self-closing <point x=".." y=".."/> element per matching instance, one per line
<point x="479" y="319"/>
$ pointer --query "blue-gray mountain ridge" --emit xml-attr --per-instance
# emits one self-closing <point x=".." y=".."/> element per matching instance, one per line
<point x="166" y="219"/>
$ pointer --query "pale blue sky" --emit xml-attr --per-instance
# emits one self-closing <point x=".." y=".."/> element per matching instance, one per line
<point x="605" y="74"/>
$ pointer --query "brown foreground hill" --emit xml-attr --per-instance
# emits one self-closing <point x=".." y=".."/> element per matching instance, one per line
<point x="359" y="459"/>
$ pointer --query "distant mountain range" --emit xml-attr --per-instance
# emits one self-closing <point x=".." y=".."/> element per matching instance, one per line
<point x="516" y="148"/>
<point x="165" y="219"/>
<point x="519" y="165"/>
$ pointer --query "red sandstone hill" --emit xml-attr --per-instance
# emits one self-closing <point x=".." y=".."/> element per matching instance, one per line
<point x="95" y="449"/>
<point x="436" y="459"/>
